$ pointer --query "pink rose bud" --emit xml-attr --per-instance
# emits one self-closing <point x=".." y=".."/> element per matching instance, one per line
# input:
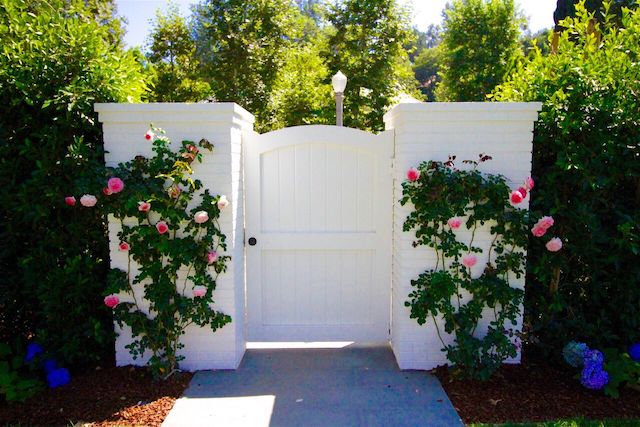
<point x="111" y="300"/>
<point x="528" y="183"/>
<point x="70" y="200"/>
<point x="212" y="257"/>
<point x="545" y="222"/>
<point x="107" y="191"/>
<point x="192" y="149"/>
<point x="88" y="201"/>
<point x="144" y="206"/>
<point x="454" y="223"/>
<point x="538" y="231"/>
<point x="199" y="291"/>
<point x="124" y="246"/>
<point x="469" y="260"/>
<point x="201" y="217"/>
<point x="516" y="197"/>
<point x="223" y="202"/>
<point x="174" y="191"/>
<point x="149" y="135"/>
<point x="554" y="245"/>
<point x="523" y="191"/>
<point x="162" y="227"/>
<point x="115" y="185"/>
<point x="413" y="174"/>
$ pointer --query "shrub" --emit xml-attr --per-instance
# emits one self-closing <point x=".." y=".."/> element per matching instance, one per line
<point x="164" y="234"/>
<point x="56" y="61"/>
<point x="586" y="161"/>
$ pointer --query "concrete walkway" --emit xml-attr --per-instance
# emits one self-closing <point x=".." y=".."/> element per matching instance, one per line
<point x="352" y="386"/>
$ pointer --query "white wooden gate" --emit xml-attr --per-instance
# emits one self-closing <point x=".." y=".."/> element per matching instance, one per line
<point x="318" y="231"/>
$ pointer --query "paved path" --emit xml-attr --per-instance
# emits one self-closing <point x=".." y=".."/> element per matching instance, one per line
<point x="353" y="386"/>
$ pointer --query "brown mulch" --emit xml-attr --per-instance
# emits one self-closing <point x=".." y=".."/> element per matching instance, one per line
<point x="536" y="390"/>
<point x="102" y="397"/>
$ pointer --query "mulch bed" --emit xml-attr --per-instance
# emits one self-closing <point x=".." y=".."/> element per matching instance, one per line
<point x="536" y="390"/>
<point x="125" y="396"/>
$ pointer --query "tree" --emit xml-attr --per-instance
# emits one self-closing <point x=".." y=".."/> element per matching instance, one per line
<point x="56" y="61"/>
<point x="425" y="68"/>
<point x="479" y="48"/>
<point x="242" y="46"/>
<point x="172" y="52"/>
<point x="366" y="44"/>
<point x="539" y="40"/>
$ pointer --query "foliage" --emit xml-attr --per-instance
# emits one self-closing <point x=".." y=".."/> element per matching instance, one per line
<point x="479" y="48"/>
<point x="16" y="382"/>
<point x="172" y="51"/>
<point x="55" y="62"/>
<point x="622" y="371"/>
<point x="425" y="68"/>
<point x="441" y="195"/>
<point x="366" y="44"/>
<point x="586" y="163"/>
<point x="539" y="40"/>
<point x="242" y="46"/>
<point x="566" y="8"/>
<point x="164" y="237"/>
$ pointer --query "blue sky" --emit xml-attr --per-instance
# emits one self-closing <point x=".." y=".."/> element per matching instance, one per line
<point x="425" y="12"/>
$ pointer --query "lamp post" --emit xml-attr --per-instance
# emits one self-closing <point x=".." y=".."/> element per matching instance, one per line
<point x="339" y="82"/>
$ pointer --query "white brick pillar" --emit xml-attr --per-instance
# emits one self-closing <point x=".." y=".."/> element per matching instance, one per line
<point x="433" y="131"/>
<point x="221" y="172"/>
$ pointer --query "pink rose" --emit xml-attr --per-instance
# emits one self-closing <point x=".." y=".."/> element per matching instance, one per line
<point x="144" y="206"/>
<point x="538" y="231"/>
<point x="212" y="257"/>
<point x="516" y="197"/>
<point x="469" y="260"/>
<point x="107" y="191"/>
<point x="162" y="227"/>
<point x="454" y="223"/>
<point x="115" y="184"/>
<point x="199" y="291"/>
<point x="174" y="191"/>
<point x="88" y="201"/>
<point x="111" y="300"/>
<point x="201" y="217"/>
<point x="413" y="174"/>
<point x="528" y="183"/>
<point x="545" y="222"/>
<point x="223" y="202"/>
<point x="149" y="135"/>
<point x="124" y="246"/>
<point x="523" y="191"/>
<point x="70" y="200"/>
<point x="554" y="245"/>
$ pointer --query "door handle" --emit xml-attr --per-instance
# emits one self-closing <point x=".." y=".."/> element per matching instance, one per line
<point x="252" y="241"/>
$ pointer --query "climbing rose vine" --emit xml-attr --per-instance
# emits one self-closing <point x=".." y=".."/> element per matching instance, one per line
<point x="468" y="282"/>
<point x="172" y="244"/>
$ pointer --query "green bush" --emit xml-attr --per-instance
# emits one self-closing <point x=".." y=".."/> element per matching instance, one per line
<point x="56" y="61"/>
<point x="586" y="163"/>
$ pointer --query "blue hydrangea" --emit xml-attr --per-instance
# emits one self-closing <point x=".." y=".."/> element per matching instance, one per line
<point x="33" y="349"/>
<point x="58" y="377"/>
<point x="594" y="377"/>
<point x="634" y="351"/>
<point x="593" y="358"/>
<point x="49" y="365"/>
<point x="573" y="353"/>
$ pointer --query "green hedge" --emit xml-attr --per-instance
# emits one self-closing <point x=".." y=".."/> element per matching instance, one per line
<point x="56" y="61"/>
<point x="586" y="163"/>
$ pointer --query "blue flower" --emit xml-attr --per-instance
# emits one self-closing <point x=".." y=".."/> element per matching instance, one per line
<point x="573" y="353"/>
<point x="58" y="377"/>
<point x="594" y="377"/>
<point x="634" y="351"/>
<point x="49" y="365"/>
<point x="593" y="358"/>
<point x="33" y="349"/>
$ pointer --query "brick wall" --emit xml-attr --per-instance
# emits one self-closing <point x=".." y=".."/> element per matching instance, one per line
<point x="221" y="172"/>
<point x="433" y="131"/>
